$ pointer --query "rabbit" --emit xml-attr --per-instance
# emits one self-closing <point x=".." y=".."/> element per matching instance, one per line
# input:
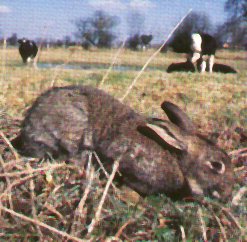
<point x="156" y="155"/>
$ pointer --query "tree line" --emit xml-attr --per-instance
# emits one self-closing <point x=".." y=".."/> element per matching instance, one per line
<point x="99" y="30"/>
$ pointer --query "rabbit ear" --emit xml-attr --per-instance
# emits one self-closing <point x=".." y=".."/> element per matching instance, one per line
<point x="169" y="133"/>
<point x="178" y="117"/>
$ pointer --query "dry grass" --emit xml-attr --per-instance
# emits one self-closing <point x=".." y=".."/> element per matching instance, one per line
<point x="44" y="200"/>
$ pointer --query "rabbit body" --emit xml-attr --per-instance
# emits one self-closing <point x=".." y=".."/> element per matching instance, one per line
<point x="156" y="156"/>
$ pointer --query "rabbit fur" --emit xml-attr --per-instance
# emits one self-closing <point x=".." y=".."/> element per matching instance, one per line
<point x="157" y="156"/>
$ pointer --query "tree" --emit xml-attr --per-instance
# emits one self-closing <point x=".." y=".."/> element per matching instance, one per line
<point x="236" y="9"/>
<point x="133" y="42"/>
<point x="59" y="43"/>
<point x="67" y="41"/>
<point x="195" y="22"/>
<point x="232" y="32"/>
<point x="12" y="40"/>
<point x="136" y="41"/>
<point x="97" y="30"/>
<point x="234" y="29"/>
<point x="135" y="22"/>
<point x="235" y="26"/>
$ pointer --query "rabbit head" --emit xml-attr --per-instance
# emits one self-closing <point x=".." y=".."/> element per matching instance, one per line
<point x="207" y="169"/>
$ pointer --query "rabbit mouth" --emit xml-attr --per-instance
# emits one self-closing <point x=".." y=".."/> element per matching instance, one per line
<point x="215" y="194"/>
<point x="195" y="188"/>
<point x="219" y="194"/>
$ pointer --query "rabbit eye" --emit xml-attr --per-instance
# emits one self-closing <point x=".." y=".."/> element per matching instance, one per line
<point x="216" y="166"/>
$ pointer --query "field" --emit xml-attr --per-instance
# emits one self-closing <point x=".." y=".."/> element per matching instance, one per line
<point x="48" y="201"/>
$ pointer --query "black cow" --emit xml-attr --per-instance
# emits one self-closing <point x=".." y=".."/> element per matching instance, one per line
<point x="189" y="67"/>
<point x="181" y="66"/>
<point x="220" y="68"/>
<point x="28" y="49"/>
<point x="223" y="68"/>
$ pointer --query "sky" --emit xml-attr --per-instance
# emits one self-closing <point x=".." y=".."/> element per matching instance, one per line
<point x="54" y="19"/>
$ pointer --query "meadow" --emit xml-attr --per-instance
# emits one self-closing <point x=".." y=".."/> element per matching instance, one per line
<point x="48" y="201"/>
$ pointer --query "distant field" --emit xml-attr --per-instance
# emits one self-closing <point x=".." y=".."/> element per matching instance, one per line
<point x="217" y="103"/>
<point x="206" y="97"/>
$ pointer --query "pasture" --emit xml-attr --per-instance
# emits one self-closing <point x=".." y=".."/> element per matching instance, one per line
<point x="48" y="192"/>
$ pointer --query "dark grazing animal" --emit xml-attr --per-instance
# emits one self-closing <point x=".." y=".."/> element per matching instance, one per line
<point x="181" y="66"/>
<point x="223" y="68"/>
<point x="156" y="155"/>
<point x="220" y="68"/>
<point x="145" y="40"/>
<point x="203" y="46"/>
<point x="28" y="49"/>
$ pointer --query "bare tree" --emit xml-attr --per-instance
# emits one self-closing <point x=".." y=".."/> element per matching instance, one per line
<point x="12" y="40"/>
<point x="133" y="42"/>
<point x="136" y="41"/>
<point x="67" y="41"/>
<point x="236" y="9"/>
<point x="135" y="22"/>
<point x="97" y="30"/>
<point x="195" y="22"/>
<point x="234" y="29"/>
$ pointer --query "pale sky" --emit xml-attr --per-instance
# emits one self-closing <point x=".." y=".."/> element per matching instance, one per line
<point x="54" y="18"/>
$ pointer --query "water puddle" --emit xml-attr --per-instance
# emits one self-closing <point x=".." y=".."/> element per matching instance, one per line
<point x="90" y="66"/>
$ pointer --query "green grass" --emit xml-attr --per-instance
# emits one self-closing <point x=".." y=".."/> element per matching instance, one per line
<point x="216" y="103"/>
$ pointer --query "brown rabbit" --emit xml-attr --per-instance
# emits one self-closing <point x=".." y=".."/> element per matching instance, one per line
<point x="157" y="156"/>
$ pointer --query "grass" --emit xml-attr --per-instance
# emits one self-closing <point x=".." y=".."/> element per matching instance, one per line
<point x="46" y="201"/>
